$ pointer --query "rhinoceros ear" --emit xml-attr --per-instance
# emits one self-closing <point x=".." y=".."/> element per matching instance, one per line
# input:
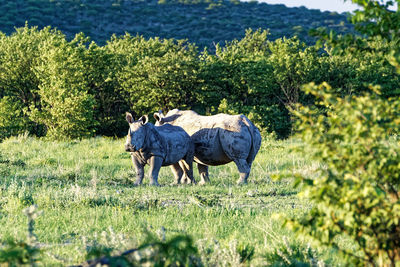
<point x="144" y="119"/>
<point x="158" y="116"/>
<point x="129" y="117"/>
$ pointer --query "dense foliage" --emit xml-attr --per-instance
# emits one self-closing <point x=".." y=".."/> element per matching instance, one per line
<point x="66" y="107"/>
<point x="356" y="192"/>
<point x="72" y="89"/>
<point x="160" y="73"/>
<point x="202" y="22"/>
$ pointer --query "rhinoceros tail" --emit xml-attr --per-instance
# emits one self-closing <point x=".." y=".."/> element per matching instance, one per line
<point x="255" y="137"/>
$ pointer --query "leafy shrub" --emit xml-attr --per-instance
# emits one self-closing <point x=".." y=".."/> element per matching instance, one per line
<point x="356" y="197"/>
<point x="239" y="79"/>
<point x="19" y="56"/>
<point x="159" y="74"/>
<point x="293" y="64"/>
<point x="351" y="70"/>
<point x="16" y="253"/>
<point x="102" y="67"/>
<point x="12" y="119"/>
<point x="66" y="105"/>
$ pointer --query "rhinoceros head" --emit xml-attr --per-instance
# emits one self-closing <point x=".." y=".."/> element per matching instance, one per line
<point x="136" y="133"/>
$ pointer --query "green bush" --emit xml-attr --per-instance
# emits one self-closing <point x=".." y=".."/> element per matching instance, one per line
<point x="102" y="68"/>
<point x="12" y="119"/>
<point x="293" y="64"/>
<point x="239" y="79"/>
<point x="66" y="105"/>
<point x="156" y="74"/>
<point x="76" y="89"/>
<point x="260" y="78"/>
<point x="351" y="70"/>
<point x="18" y="253"/>
<point x="19" y="56"/>
<point x="356" y="191"/>
<point x="164" y="82"/>
<point x="356" y="196"/>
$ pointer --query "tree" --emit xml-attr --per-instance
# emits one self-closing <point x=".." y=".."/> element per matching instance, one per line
<point x="294" y="64"/>
<point x="356" y="194"/>
<point x="66" y="106"/>
<point x="19" y="85"/>
<point x="239" y="79"/>
<point x="12" y="119"/>
<point x="102" y="66"/>
<point x="356" y="197"/>
<point x="157" y="74"/>
<point x="259" y="78"/>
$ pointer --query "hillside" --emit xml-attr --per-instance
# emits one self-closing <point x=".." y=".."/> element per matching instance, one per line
<point x="202" y="23"/>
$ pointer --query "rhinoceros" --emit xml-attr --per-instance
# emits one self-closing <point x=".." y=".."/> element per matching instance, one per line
<point x="218" y="139"/>
<point x="159" y="146"/>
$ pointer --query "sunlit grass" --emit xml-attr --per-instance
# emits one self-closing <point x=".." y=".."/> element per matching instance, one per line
<point x="85" y="190"/>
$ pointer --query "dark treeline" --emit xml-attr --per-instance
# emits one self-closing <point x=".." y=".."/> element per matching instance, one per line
<point x="203" y="22"/>
<point x="50" y="86"/>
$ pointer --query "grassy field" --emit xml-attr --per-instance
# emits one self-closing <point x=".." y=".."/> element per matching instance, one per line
<point x="86" y="194"/>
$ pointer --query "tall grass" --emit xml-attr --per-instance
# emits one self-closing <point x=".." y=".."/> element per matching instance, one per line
<point x="85" y="190"/>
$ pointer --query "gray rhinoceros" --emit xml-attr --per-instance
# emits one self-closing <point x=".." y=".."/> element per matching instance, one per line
<point x="159" y="146"/>
<point x="218" y="139"/>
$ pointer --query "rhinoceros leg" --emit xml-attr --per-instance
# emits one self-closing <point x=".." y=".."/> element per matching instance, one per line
<point x="155" y="166"/>
<point x="244" y="170"/>
<point x="187" y="167"/>
<point x="177" y="171"/>
<point x="203" y="171"/>
<point x="139" y="168"/>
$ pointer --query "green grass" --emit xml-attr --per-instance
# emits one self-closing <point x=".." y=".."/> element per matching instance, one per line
<point x="85" y="190"/>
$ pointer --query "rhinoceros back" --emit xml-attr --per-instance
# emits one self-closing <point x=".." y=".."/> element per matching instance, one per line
<point x="220" y="138"/>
